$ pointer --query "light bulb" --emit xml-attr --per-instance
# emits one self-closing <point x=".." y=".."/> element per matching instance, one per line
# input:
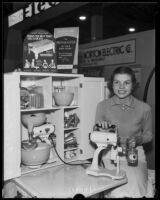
<point x="132" y="29"/>
<point x="82" y="17"/>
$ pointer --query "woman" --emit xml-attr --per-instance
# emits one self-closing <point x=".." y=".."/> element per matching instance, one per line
<point x="134" y="122"/>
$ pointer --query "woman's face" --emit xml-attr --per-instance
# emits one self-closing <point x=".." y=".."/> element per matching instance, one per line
<point x="122" y="85"/>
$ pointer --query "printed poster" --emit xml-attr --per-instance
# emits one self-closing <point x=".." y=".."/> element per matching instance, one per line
<point x="39" y="52"/>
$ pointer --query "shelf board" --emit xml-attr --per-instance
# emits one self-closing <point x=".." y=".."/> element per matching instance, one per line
<point x="71" y="128"/>
<point x="71" y="149"/>
<point x="52" y="108"/>
<point x="38" y="75"/>
<point x="66" y="107"/>
<point x="40" y="109"/>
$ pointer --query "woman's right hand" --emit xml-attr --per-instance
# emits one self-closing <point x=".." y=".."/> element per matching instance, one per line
<point x="102" y="125"/>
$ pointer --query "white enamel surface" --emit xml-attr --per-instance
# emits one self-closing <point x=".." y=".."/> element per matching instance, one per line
<point x="12" y="153"/>
<point x="65" y="181"/>
<point x="85" y="102"/>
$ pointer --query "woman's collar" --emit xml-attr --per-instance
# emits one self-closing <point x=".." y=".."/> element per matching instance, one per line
<point x="129" y="101"/>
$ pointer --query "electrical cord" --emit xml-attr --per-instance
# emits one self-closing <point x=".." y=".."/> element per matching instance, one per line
<point x="51" y="139"/>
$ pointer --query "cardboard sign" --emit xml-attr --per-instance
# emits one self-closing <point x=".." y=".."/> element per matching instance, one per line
<point x="66" y="47"/>
<point x="39" y="51"/>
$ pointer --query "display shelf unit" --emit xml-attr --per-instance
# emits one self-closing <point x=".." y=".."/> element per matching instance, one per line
<point x="87" y="93"/>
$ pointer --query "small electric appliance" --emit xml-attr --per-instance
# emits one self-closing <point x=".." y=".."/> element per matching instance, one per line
<point x="102" y="139"/>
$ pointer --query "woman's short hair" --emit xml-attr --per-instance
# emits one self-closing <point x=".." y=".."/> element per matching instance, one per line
<point x="123" y="70"/>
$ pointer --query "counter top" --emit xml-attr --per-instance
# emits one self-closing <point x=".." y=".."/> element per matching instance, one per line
<point x="65" y="181"/>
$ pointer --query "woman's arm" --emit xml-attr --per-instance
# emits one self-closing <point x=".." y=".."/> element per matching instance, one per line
<point x="99" y="113"/>
<point x="147" y="125"/>
<point x="146" y="129"/>
<point x="100" y="119"/>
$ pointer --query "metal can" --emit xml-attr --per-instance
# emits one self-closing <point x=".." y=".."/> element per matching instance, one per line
<point x="132" y="157"/>
<point x="132" y="154"/>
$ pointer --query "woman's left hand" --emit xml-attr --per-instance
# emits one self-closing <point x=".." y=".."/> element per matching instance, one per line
<point x="136" y="139"/>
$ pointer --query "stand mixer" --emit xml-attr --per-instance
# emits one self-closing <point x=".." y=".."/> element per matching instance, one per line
<point x="30" y="121"/>
<point x="37" y="150"/>
<point x="103" y="139"/>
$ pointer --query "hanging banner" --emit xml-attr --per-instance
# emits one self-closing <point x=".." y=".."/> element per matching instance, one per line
<point x="39" y="51"/>
<point x="109" y="54"/>
<point x="67" y="40"/>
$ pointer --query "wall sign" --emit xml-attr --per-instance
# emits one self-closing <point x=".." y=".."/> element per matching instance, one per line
<point x="32" y="9"/>
<point x="39" y="51"/>
<point x="67" y="40"/>
<point x="109" y="54"/>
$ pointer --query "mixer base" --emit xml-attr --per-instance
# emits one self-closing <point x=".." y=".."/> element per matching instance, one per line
<point x="106" y="172"/>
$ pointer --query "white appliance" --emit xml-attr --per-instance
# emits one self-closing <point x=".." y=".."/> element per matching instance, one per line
<point x="88" y="92"/>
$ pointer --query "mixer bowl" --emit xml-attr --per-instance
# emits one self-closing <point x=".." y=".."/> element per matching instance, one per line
<point x="63" y="98"/>
<point x="37" y="156"/>
<point x="31" y="120"/>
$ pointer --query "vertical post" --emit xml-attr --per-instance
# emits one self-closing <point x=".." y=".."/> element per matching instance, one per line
<point x="96" y="27"/>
